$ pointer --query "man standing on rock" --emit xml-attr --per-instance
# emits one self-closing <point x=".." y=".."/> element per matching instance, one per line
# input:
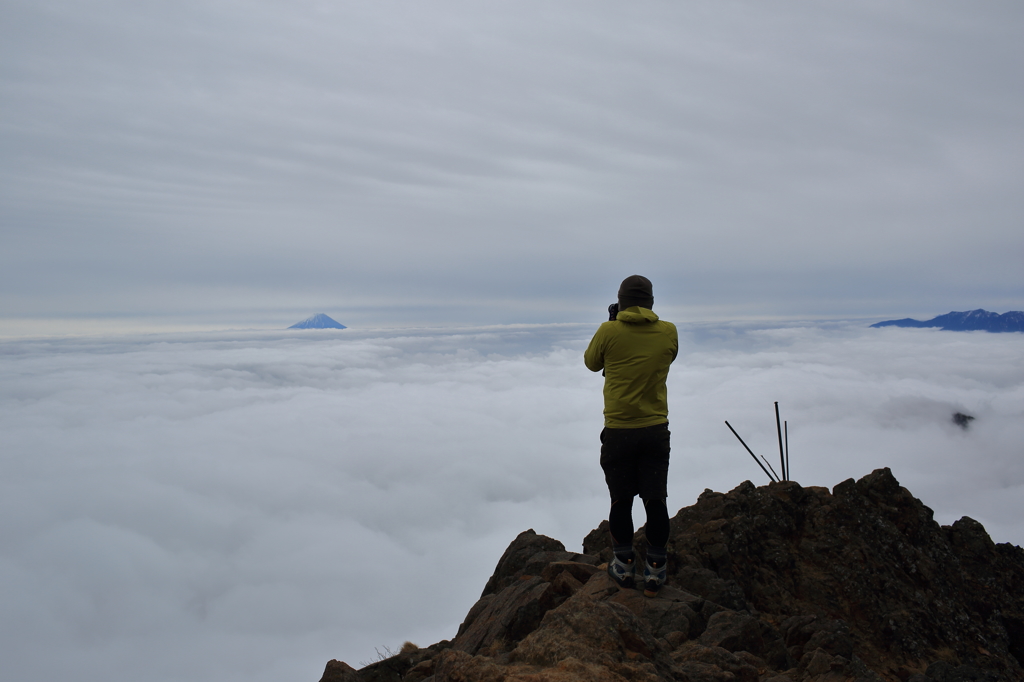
<point x="635" y="349"/>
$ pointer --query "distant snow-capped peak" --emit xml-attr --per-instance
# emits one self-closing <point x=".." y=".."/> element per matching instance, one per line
<point x="318" y="321"/>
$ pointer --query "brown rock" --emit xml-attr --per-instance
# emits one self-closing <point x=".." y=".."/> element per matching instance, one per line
<point x="868" y="554"/>
<point x="579" y="570"/>
<point x="733" y="631"/>
<point x="599" y="631"/>
<point x="506" y="617"/>
<point x="670" y="611"/>
<point x="816" y="662"/>
<point x="339" y="671"/>
<point x="458" y="666"/>
<point x="807" y="633"/>
<point x="858" y="584"/>
<point x="420" y="671"/>
<point x="717" y="657"/>
<point x="514" y="560"/>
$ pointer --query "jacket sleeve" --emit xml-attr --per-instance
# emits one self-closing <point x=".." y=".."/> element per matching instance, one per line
<point x="593" y="357"/>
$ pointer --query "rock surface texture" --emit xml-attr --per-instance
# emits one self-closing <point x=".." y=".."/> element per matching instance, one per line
<point x="773" y="584"/>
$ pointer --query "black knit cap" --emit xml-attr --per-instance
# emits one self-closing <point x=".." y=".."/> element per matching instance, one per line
<point x="636" y="290"/>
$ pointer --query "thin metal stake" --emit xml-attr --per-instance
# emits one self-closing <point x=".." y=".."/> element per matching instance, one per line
<point x="771" y="467"/>
<point x="749" y="450"/>
<point x="782" y="457"/>
<point x="785" y="427"/>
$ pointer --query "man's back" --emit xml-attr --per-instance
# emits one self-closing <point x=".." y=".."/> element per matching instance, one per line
<point x="635" y="351"/>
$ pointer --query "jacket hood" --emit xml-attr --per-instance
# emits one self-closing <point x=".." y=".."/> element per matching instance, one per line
<point x="636" y="315"/>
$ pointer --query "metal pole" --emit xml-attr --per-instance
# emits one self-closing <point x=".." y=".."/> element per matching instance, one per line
<point x="771" y="467"/>
<point x="782" y="457"/>
<point x="749" y="450"/>
<point x="785" y="427"/>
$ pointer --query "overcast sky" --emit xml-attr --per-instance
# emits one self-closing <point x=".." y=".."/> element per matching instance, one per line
<point x="250" y="163"/>
<point x="248" y="506"/>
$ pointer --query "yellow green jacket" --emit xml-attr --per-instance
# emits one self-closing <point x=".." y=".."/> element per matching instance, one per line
<point x="635" y="351"/>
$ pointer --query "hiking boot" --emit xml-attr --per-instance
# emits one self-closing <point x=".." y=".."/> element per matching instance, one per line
<point x="654" y="578"/>
<point x="621" y="571"/>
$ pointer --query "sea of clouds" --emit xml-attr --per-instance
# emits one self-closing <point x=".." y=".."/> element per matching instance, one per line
<point x="249" y="505"/>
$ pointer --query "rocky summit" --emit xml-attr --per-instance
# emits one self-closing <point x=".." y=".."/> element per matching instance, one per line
<point x="777" y="583"/>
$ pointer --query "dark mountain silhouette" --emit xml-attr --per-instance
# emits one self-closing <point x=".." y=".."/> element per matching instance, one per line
<point x="971" y="320"/>
<point x="777" y="583"/>
<point x="318" y="321"/>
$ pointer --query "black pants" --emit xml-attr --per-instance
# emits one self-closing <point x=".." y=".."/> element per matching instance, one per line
<point x="635" y="462"/>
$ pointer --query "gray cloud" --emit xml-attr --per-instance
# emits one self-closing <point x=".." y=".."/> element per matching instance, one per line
<point x="213" y="160"/>
<point x="251" y="504"/>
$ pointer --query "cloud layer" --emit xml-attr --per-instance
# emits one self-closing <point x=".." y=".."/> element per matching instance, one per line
<point x="250" y="505"/>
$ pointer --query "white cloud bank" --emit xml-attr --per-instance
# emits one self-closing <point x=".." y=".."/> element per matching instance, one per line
<point x="250" y="505"/>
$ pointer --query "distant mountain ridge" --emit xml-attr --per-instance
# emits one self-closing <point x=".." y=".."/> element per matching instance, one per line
<point x="318" y="321"/>
<point x="971" y="320"/>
